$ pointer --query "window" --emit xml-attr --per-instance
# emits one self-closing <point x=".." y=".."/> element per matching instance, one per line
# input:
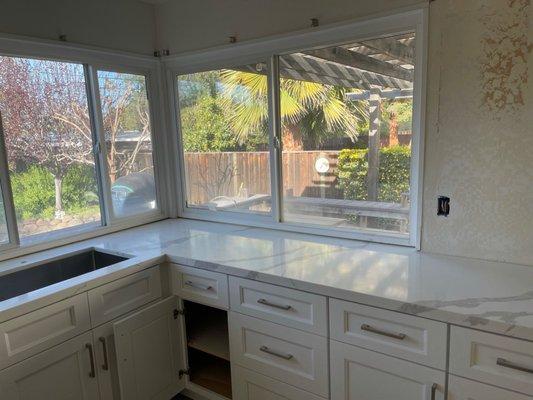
<point x="128" y="139"/>
<point x="346" y="127"/>
<point x="73" y="167"/>
<point x="325" y="140"/>
<point x="224" y="125"/>
<point x="49" y="144"/>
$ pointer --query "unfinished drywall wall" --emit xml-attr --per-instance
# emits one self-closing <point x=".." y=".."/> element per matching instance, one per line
<point x="479" y="139"/>
<point x="198" y="24"/>
<point x="127" y="25"/>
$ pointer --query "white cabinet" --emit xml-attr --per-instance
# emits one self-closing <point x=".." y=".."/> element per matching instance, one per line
<point x="64" y="372"/>
<point x="465" y="389"/>
<point x="106" y="362"/>
<point x="249" y="385"/>
<point x="149" y="348"/>
<point x="358" y="374"/>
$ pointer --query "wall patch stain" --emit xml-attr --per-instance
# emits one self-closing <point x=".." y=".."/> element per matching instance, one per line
<point x="505" y="49"/>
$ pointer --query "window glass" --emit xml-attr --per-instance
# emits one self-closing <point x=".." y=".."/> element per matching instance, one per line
<point x="49" y="145"/>
<point x="128" y="139"/>
<point x="224" y="128"/>
<point x="346" y="114"/>
<point x="4" y="235"/>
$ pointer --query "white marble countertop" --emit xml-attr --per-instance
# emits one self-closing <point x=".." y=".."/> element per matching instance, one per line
<point x="490" y="296"/>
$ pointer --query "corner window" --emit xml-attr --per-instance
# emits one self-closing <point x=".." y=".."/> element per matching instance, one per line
<point x="225" y="139"/>
<point x="76" y="150"/>
<point x="325" y="140"/>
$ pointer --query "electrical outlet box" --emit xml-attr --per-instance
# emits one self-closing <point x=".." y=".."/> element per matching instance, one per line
<point x="443" y="206"/>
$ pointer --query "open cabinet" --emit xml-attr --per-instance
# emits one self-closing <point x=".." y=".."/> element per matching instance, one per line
<point x="172" y="345"/>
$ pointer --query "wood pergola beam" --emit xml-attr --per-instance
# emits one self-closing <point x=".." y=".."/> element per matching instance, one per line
<point x="350" y="58"/>
<point x="393" y="48"/>
<point x="389" y="94"/>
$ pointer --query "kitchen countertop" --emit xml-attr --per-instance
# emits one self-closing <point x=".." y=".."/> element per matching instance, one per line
<point x="491" y="296"/>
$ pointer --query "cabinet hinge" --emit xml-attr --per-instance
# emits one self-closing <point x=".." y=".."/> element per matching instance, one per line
<point x="177" y="313"/>
<point x="183" y="372"/>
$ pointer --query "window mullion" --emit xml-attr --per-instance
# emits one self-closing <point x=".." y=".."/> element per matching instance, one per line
<point x="7" y="194"/>
<point x="276" y="179"/>
<point x="99" y="147"/>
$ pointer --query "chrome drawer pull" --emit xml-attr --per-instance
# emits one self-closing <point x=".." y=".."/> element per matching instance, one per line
<point x="368" y="328"/>
<point x="502" y="362"/>
<point x="198" y="285"/>
<point x="268" y="303"/>
<point x="265" y="349"/>
<point x="89" y="347"/>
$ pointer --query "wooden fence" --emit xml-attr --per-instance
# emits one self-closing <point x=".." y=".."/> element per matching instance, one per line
<point x="244" y="174"/>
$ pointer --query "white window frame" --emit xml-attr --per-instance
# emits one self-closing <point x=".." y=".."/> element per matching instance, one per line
<point x="412" y="19"/>
<point x="92" y="60"/>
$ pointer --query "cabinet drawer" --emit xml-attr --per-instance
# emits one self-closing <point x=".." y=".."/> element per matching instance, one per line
<point x="284" y="306"/>
<point x="291" y="356"/>
<point x="494" y="359"/>
<point x="124" y="295"/>
<point x="206" y="287"/>
<point x="32" y="333"/>
<point x="363" y="374"/>
<point x="399" y="335"/>
<point x="465" y="389"/>
<point x="249" y="385"/>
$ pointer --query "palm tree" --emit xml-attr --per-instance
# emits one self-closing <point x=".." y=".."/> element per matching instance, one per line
<point x="310" y="111"/>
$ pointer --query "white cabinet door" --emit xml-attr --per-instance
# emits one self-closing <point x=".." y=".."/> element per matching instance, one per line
<point x="64" y="372"/>
<point x="150" y="348"/>
<point x="106" y="362"/>
<point x="358" y="374"/>
<point x="465" y="389"/>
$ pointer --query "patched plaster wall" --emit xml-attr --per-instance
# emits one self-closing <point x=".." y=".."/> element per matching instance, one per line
<point x="479" y="137"/>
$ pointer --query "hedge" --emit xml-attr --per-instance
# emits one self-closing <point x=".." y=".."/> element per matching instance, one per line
<point x="394" y="167"/>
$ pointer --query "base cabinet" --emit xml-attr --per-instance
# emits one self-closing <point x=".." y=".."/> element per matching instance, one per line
<point x="250" y="385"/>
<point x="64" y="372"/>
<point x="465" y="389"/>
<point x="363" y="374"/>
<point x="106" y="362"/>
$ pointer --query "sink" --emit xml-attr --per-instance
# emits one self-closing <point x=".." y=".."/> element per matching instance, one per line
<point x="57" y="270"/>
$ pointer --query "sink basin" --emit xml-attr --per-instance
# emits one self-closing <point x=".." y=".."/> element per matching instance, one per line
<point x="57" y="270"/>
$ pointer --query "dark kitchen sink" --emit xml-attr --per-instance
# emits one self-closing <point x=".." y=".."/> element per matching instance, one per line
<point x="54" y="271"/>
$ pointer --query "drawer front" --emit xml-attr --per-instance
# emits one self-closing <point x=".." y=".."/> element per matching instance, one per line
<point x="284" y="306"/>
<point x="41" y="329"/>
<point x="124" y="295"/>
<point x="358" y="374"/>
<point x="201" y="286"/>
<point x="465" y="389"/>
<point x="291" y="356"/>
<point x="399" y="335"/>
<point x="249" y="385"/>
<point x="493" y="359"/>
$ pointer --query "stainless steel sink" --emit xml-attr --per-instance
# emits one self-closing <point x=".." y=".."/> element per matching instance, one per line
<point x="54" y="271"/>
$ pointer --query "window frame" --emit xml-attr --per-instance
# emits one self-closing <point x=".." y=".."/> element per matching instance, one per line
<point x="92" y="60"/>
<point x="412" y="19"/>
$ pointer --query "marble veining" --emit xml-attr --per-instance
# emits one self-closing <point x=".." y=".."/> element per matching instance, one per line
<point x="491" y="296"/>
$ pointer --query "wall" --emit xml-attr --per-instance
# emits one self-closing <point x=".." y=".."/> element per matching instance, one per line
<point x="197" y="24"/>
<point x="115" y="24"/>
<point x="479" y="142"/>
<point x="479" y="138"/>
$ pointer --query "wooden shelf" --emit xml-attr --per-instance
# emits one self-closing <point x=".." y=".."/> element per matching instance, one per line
<point x="211" y="373"/>
<point x="209" y="333"/>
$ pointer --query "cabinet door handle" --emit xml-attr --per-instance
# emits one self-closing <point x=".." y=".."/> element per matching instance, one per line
<point x="368" y="328"/>
<point x="502" y="362"/>
<point x="105" y="365"/>
<point x="268" y="303"/>
<point x="89" y="347"/>
<point x="434" y="388"/>
<point x="198" y="285"/>
<point x="265" y="349"/>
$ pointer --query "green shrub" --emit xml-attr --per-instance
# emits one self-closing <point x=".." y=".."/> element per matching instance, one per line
<point x="34" y="191"/>
<point x="394" y="167"/>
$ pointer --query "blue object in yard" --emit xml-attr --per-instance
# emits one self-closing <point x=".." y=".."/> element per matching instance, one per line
<point x="133" y="193"/>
